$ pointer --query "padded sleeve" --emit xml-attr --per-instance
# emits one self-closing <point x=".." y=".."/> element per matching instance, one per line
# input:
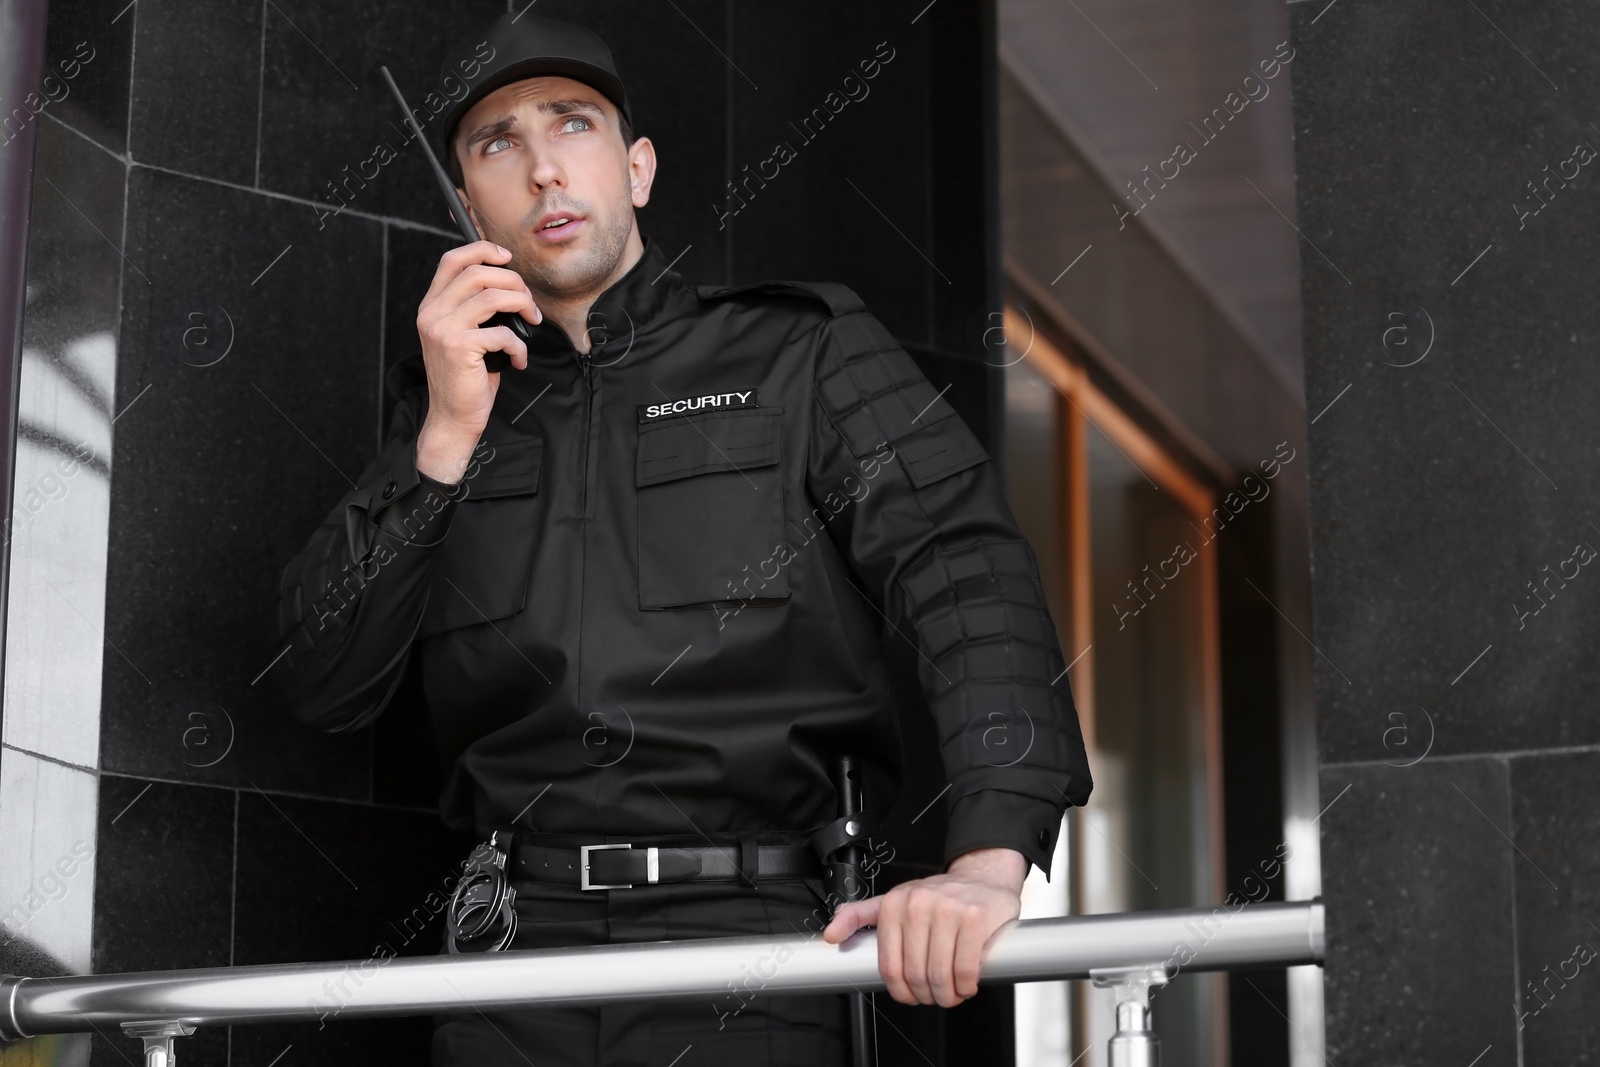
<point x="350" y="602"/>
<point x="937" y="547"/>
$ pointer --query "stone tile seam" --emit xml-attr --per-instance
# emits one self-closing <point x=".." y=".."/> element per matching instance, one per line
<point x="233" y="907"/>
<point x="362" y="803"/>
<point x="1516" y="937"/>
<point x="261" y="103"/>
<point x="70" y="128"/>
<point x="393" y="220"/>
<point x="127" y="123"/>
<point x="51" y="759"/>
<point x="237" y="789"/>
<point x="383" y="315"/>
<point x="96" y="772"/>
<point x="127" y="160"/>
<point x="1461" y="757"/>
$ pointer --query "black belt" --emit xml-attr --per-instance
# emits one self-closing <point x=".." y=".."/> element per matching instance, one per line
<point x="562" y="859"/>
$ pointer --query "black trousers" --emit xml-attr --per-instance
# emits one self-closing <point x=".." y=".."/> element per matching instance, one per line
<point x="742" y="1027"/>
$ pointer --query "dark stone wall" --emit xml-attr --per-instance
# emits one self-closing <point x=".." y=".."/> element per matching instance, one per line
<point x="1448" y="198"/>
<point x="225" y="130"/>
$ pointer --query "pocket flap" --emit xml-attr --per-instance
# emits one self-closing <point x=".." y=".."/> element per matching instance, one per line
<point x="722" y="441"/>
<point x="511" y="470"/>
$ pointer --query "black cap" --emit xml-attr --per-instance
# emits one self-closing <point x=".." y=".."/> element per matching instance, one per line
<point x="517" y="46"/>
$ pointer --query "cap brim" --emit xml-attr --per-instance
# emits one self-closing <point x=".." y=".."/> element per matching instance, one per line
<point x="575" y="69"/>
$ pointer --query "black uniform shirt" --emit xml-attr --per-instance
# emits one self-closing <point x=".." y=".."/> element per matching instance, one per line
<point x="657" y="603"/>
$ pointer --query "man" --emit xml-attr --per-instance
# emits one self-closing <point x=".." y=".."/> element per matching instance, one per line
<point x="649" y="570"/>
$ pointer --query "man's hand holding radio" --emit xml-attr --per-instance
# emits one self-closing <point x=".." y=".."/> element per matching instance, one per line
<point x="467" y="289"/>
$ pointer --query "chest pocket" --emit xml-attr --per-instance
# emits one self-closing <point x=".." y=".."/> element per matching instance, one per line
<point x="710" y="509"/>
<point x="482" y="569"/>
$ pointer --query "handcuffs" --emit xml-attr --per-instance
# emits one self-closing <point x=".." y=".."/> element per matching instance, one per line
<point x="482" y="916"/>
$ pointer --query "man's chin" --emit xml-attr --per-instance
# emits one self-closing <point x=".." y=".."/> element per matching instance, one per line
<point x="565" y="271"/>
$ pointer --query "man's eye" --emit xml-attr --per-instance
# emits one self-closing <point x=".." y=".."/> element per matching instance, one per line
<point x="579" y="118"/>
<point x="491" y="144"/>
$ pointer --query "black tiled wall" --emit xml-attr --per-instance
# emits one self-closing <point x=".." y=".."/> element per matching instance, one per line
<point x="1451" y="324"/>
<point x="257" y="315"/>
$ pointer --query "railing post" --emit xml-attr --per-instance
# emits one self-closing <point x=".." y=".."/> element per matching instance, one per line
<point x="1134" y="1044"/>
<point x="158" y="1035"/>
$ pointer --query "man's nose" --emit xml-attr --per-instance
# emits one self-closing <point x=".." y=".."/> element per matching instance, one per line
<point x="544" y="169"/>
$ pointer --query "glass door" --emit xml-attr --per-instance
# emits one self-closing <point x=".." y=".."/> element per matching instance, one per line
<point x="1120" y="527"/>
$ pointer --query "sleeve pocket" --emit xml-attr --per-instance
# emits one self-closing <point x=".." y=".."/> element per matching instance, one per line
<point x="876" y="395"/>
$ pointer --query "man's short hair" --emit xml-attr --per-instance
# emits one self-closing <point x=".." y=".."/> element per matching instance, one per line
<point x="453" y="164"/>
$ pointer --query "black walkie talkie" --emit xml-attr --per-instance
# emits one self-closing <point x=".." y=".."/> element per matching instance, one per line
<point x="493" y="361"/>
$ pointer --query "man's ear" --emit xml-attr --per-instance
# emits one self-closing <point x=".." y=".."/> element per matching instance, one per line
<point x="472" y="213"/>
<point x="641" y="170"/>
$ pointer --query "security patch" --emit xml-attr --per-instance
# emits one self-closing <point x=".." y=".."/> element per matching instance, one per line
<point x="694" y="405"/>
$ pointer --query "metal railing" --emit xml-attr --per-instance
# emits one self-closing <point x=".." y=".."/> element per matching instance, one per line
<point x="1131" y="952"/>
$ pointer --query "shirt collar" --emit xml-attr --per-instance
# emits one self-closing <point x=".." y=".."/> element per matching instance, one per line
<point x="621" y="310"/>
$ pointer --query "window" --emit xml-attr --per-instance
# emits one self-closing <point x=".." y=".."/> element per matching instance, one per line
<point x="1119" y="526"/>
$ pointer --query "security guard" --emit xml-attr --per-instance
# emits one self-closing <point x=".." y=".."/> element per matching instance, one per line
<point x="649" y="570"/>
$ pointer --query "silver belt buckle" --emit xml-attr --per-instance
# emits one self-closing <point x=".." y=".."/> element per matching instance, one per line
<point x="652" y="863"/>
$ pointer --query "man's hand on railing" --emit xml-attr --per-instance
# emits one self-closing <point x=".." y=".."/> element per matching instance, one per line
<point x="933" y="932"/>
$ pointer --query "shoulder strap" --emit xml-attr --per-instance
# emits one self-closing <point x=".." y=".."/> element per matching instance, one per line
<point x="841" y="299"/>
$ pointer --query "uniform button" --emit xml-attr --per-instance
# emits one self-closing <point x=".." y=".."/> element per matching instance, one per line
<point x="1044" y="838"/>
<point x="388" y="490"/>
